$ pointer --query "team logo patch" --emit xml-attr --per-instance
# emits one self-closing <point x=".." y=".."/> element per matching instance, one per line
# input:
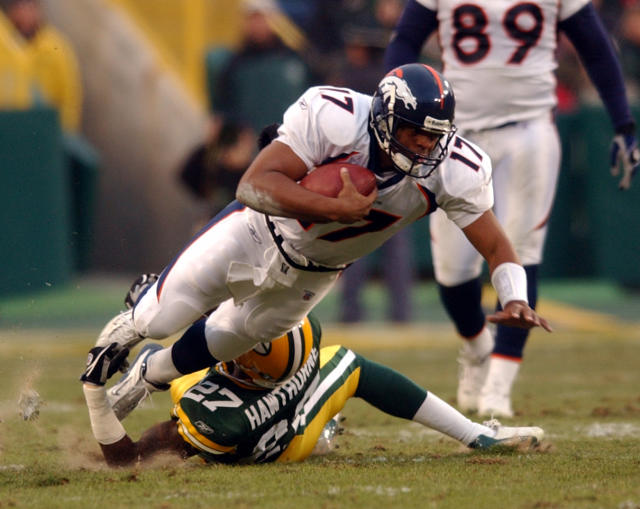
<point x="203" y="428"/>
<point x="262" y="348"/>
<point x="394" y="89"/>
<point x="308" y="295"/>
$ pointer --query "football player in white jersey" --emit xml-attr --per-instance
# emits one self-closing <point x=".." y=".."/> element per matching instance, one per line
<point x="500" y="57"/>
<point x="266" y="260"/>
<point x="277" y="402"/>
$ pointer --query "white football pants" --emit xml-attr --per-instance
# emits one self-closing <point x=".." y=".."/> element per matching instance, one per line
<point x="233" y="265"/>
<point x="526" y="161"/>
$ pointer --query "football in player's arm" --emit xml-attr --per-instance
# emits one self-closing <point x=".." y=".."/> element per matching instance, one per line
<point x="273" y="403"/>
<point x="269" y="258"/>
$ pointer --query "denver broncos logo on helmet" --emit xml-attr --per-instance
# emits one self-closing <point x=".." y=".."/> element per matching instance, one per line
<point x="271" y="364"/>
<point x="418" y="97"/>
<point x="393" y="88"/>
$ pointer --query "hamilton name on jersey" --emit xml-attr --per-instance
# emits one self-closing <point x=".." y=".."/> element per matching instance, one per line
<point x="266" y="407"/>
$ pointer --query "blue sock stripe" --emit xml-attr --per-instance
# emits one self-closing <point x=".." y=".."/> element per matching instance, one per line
<point x="190" y="353"/>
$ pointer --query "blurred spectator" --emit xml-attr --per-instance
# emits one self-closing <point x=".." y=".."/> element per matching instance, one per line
<point x="213" y="169"/>
<point x="361" y="64"/>
<point x="622" y="19"/>
<point x="571" y="77"/>
<point x="38" y="67"/>
<point x="47" y="59"/>
<point x="257" y="82"/>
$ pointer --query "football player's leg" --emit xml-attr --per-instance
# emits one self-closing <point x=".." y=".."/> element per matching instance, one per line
<point x="457" y="267"/>
<point x="232" y="329"/>
<point x="524" y="183"/>
<point x="191" y="285"/>
<point x="344" y="374"/>
<point x="397" y="395"/>
<point x="196" y="281"/>
<point x="339" y="375"/>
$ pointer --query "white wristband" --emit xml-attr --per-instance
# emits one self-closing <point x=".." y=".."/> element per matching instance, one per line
<point x="510" y="281"/>
<point x="106" y="427"/>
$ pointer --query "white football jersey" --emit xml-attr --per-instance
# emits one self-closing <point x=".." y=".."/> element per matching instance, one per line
<point x="499" y="56"/>
<point x="331" y="124"/>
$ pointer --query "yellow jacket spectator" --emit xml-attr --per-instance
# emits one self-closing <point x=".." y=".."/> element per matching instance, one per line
<point x="37" y="64"/>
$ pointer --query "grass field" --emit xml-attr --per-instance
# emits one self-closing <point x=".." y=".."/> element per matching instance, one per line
<point x="581" y="384"/>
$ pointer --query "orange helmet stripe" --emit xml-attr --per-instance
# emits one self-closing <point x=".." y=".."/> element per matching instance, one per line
<point x="436" y="76"/>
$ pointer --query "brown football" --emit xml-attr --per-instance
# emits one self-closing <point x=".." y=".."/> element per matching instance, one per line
<point x="326" y="179"/>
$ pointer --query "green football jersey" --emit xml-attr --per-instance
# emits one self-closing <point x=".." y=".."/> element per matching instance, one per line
<point x="233" y="423"/>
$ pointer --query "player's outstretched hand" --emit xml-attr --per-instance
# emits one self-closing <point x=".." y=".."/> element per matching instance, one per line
<point x="517" y="313"/>
<point x="625" y="153"/>
<point x="356" y="205"/>
<point x="103" y="362"/>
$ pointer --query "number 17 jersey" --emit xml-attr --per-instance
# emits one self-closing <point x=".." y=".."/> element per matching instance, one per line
<point x="331" y="124"/>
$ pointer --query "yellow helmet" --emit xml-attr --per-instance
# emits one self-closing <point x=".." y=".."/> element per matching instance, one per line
<point x="271" y="364"/>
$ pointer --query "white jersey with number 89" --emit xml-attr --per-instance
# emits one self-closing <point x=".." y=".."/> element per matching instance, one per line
<point x="499" y="56"/>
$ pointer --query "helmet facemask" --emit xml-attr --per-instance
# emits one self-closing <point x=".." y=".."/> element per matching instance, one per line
<point x="395" y="105"/>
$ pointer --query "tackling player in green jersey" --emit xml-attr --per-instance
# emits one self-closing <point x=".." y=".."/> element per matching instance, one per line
<point x="273" y="403"/>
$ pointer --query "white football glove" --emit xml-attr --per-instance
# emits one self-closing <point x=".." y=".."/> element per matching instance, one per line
<point x="625" y="152"/>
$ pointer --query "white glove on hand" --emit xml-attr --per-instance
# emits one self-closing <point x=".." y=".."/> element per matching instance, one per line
<point x="625" y="151"/>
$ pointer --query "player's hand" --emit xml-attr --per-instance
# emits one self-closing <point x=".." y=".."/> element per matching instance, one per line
<point x="356" y="206"/>
<point x="517" y="313"/>
<point x="103" y="362"/>
<point x="625" y="153"/>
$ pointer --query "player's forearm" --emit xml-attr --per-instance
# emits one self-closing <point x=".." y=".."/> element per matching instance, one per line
<point x="277" y="195"/>
<point x="160" y="438"/>
<point x="270" y="185"/>
<point x="508" y="276"/>
<point x="117" y="448"/>
<point x="489" y="239"/>
<point x="121" y="453"/>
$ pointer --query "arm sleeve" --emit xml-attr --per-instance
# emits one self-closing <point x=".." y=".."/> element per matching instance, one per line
<point x="415" y="26"/>
<point x="586" y="32"/>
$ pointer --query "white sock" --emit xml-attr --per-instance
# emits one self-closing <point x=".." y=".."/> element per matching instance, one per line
<point x="160" y="367"/>
<point x="442" y="417"/>
<point x="502" y="373"/>
<point x="481" y="345"/>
